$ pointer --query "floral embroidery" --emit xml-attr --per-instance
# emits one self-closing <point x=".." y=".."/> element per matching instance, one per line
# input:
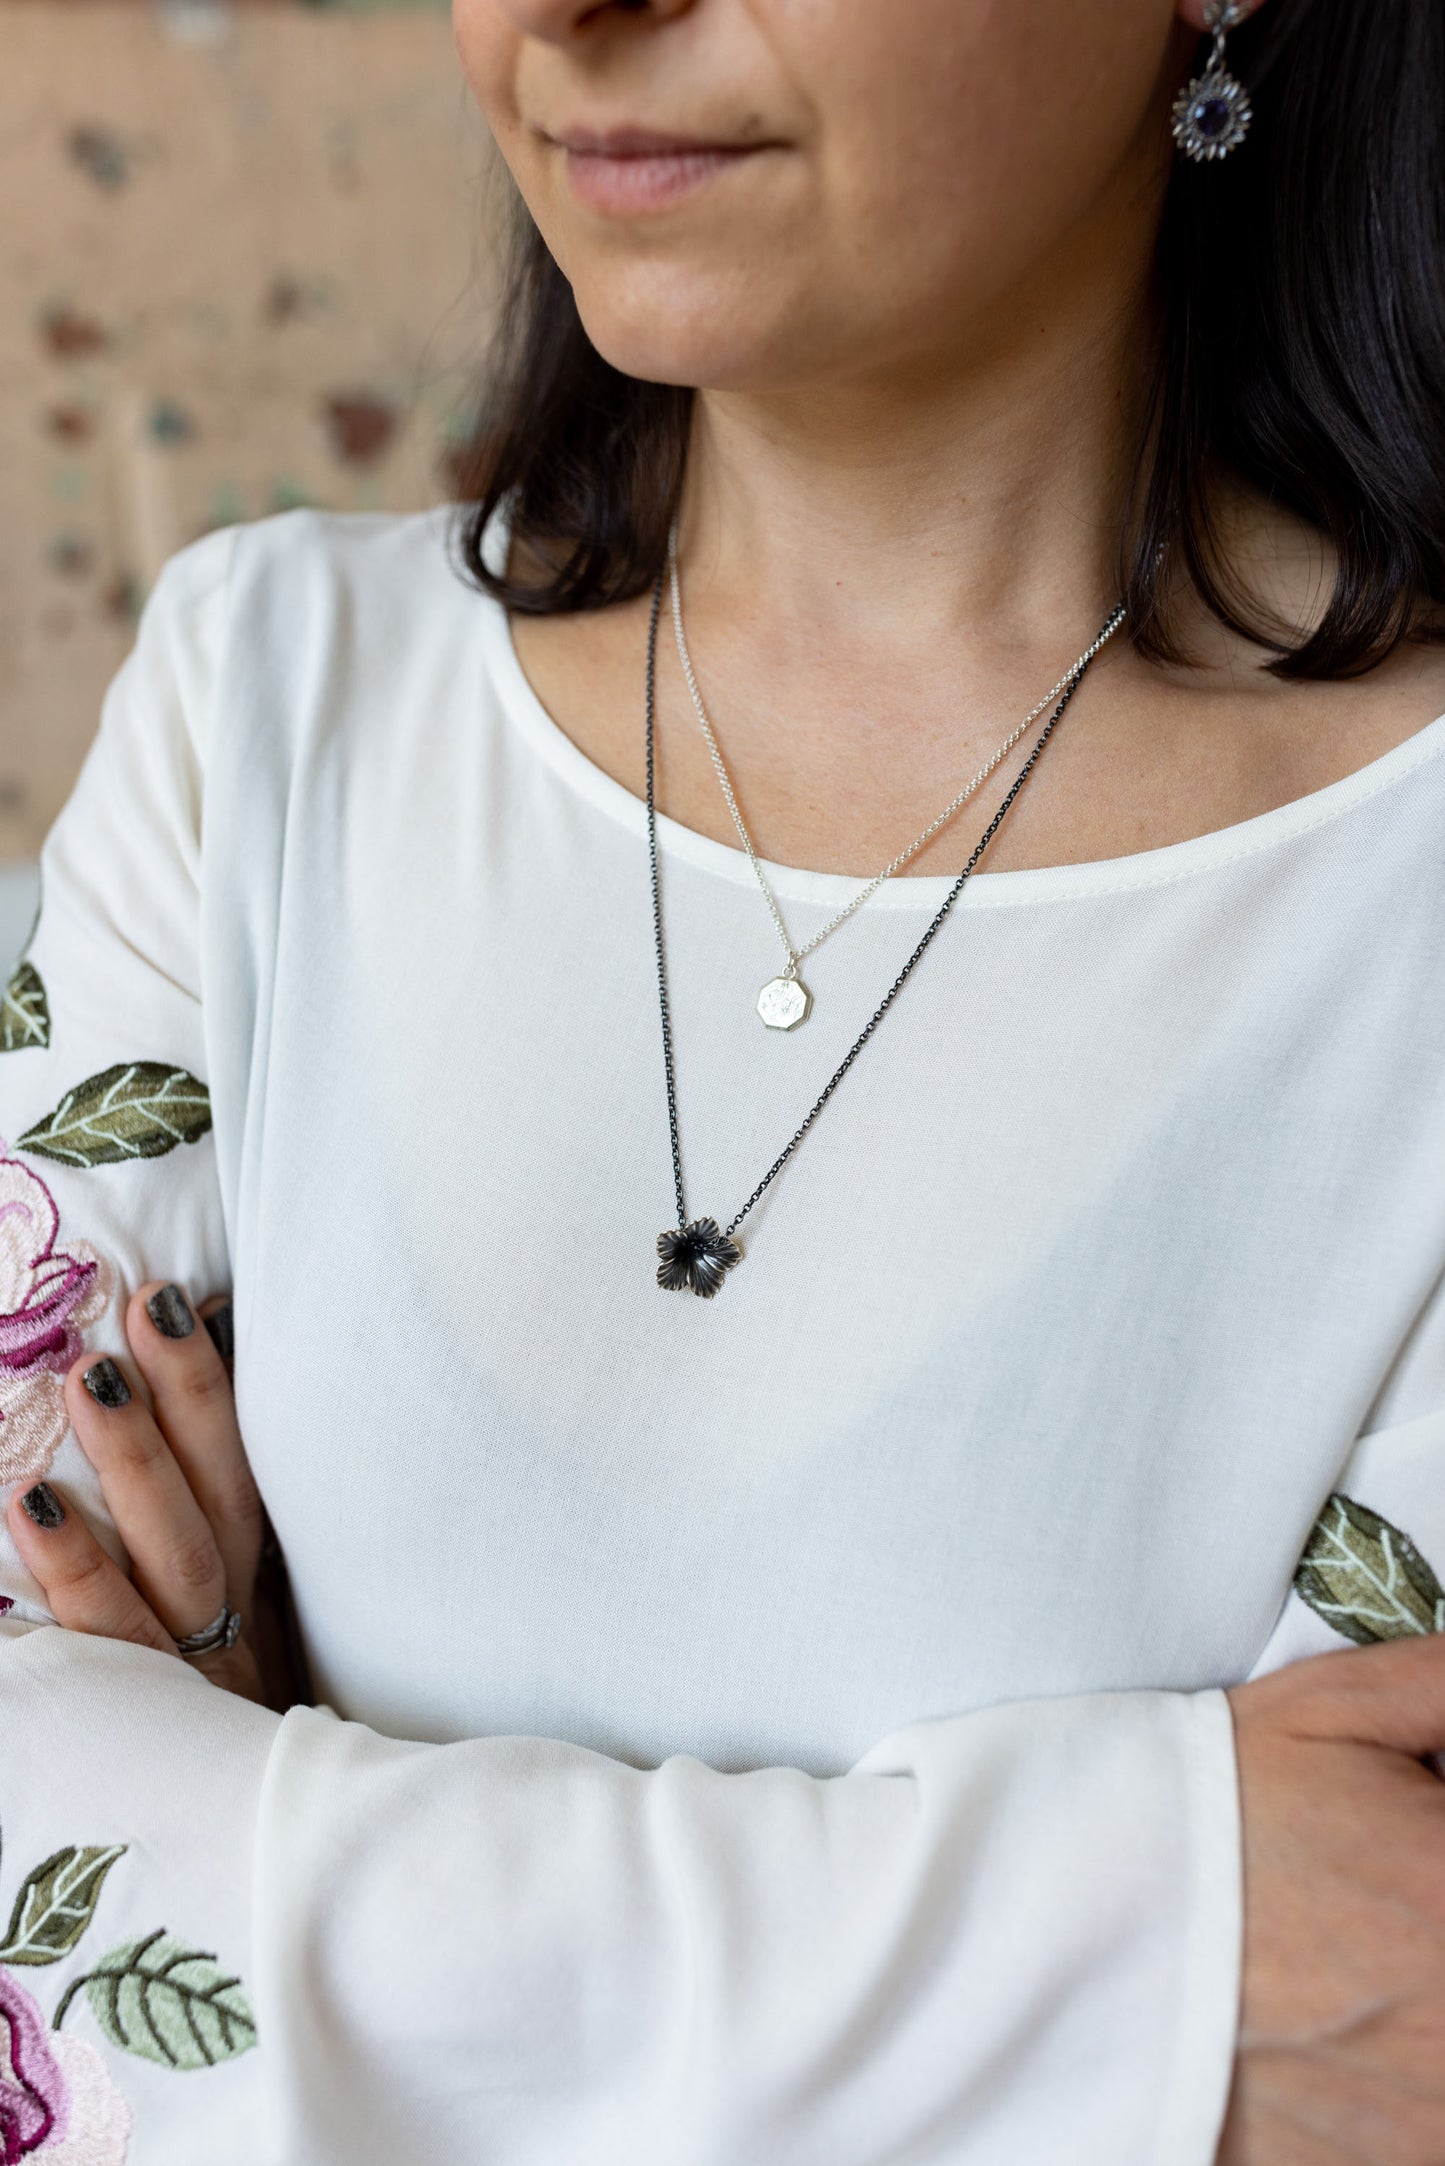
<point x="168" y="2003"/>
<point x="56" y="1904"/>
<point x="155" y="1997"/>
<point x="1366" y="1578"/>
<point x="32" y="2089"/>
<point x="58" y="2104"/>
<point x="48" y="1296"/>
<point x="138" y="1109"/>
<point x="24" y="1010"/>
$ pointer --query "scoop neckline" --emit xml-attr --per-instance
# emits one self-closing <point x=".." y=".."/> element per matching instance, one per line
<point x="925" y="891"/>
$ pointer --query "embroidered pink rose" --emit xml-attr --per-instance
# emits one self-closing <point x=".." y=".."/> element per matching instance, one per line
<point x="57" y="2102"/>
<point x="33" y="2099"/>
<point x="48" y="1295"/>
<point x="97" y="2131"/>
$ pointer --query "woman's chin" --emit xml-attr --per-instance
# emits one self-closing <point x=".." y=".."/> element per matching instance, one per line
<point x="729" y="348"/>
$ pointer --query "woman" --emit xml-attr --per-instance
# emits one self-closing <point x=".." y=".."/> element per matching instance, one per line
<point x="827" y="1720"/>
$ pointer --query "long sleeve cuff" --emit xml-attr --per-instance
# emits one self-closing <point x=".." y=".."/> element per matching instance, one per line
<point x="1010" y="1936"/>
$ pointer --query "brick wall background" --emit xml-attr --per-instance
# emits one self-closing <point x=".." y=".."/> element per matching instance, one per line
<point x="247" y="260"/>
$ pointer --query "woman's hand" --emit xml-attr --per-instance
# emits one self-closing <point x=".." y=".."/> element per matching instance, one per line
<point x="181" y="1492"/>
<point x="1340" y="2058"/>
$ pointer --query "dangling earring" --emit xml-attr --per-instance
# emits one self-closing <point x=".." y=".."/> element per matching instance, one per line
<point x="1212" y="114"/>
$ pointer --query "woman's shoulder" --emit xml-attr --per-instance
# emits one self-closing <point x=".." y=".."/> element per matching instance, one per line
<point x="310" y="620"/>
<point x="402" y="558"/>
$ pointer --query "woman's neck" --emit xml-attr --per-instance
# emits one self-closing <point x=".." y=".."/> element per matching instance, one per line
<point x="896" y="535"/>
<point x="880" y="577"/>
<point x="969" y="494"/>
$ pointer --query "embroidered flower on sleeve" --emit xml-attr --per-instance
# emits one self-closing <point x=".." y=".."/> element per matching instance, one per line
<point x="58" y="2105"/>
<point x="48" y="1297"/>
<point x="157" y="1997"/>
<point x="32" y="2089"/>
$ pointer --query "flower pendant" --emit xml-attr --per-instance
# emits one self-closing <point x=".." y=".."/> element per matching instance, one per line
<point x="1211" y="115"/>
<point x="696" y="1255"/>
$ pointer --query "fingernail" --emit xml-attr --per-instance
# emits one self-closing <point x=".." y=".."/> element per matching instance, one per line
<point x="43" y="1506"/>
<point x="105" y="1383"/>
<point x="170" y="1312"/>
<point x="219" y="1324"/>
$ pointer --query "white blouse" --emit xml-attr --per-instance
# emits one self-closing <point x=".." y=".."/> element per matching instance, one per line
<point x="777" y="1730"/>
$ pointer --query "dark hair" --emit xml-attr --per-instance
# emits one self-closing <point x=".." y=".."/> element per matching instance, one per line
<point x="1301" y="292"/>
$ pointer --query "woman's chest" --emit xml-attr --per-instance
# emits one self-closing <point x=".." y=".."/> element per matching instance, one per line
<point x="1045" y="1347"/>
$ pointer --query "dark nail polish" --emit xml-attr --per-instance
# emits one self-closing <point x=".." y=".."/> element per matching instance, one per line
<point x="106" y="1384"/>
<point x="43" y="1506"/>
<point x="170" y="1312"/>
<point x="219" y="1324"/>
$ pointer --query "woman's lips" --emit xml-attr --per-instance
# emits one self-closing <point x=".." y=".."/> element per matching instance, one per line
<point x="632" y="172"/>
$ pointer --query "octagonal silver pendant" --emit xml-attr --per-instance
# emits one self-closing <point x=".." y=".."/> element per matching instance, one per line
<point x="784" y="1003"/>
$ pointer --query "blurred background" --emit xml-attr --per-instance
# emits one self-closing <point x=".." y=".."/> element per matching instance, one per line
<point x="248" y="257"/>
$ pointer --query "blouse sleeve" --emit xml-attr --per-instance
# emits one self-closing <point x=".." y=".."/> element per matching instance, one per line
<point x="1006" y="1936"/>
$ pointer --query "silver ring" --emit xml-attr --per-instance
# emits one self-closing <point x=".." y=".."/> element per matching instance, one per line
<point x="224" y="1632"/>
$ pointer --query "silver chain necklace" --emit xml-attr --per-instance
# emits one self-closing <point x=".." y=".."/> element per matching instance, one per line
<point x="698" y="1253"/>
<point x="785" y="1001"/>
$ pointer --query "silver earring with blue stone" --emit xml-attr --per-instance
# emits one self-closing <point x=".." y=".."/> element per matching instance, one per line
<point x="1212" y="113"/>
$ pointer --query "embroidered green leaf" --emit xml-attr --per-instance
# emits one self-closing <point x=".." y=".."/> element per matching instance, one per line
<point x="168" y="2003"/>
<point x="24" y="1011"/>
<point x="56" y="1904"/>
<point x="1366" y="1578"/>
<point x="138" y="1109"/>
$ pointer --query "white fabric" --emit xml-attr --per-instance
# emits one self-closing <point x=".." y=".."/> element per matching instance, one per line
<point x="781" y="1730"/>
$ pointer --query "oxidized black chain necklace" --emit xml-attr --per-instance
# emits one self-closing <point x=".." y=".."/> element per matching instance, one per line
<point x="697" y="1253"/>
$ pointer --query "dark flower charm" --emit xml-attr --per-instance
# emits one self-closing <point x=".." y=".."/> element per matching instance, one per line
<point x="1211" y="116"/>
<point x="696" y="1255"/>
